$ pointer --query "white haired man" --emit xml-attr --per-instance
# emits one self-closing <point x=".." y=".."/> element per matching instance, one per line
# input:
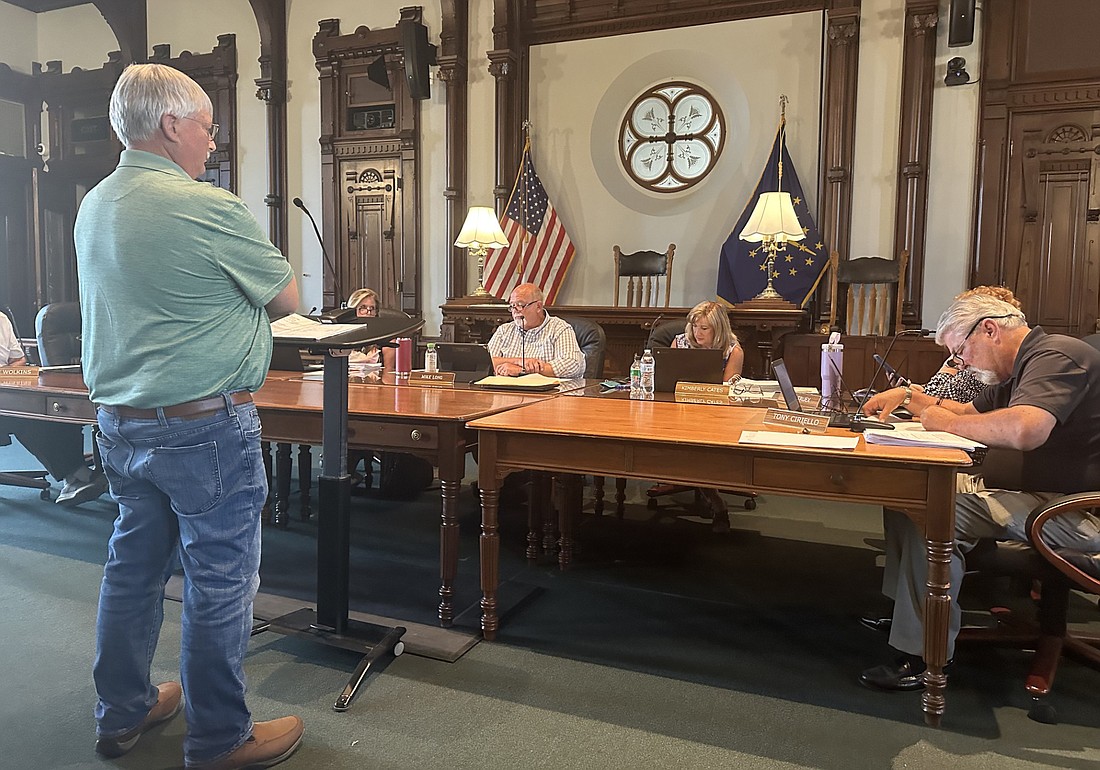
<point x="535" y="342"/>
<point x="177" y="282"/>
<point x="1043" y="399"/>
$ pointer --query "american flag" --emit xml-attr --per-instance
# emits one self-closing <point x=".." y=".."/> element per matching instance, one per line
<point x="539" y="250"/>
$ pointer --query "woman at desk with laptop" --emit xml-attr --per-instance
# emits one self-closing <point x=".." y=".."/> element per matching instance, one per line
<point x="708" y="326"/>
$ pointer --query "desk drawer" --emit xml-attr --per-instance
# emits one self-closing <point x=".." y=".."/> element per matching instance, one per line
<point x="386" y="435"/>
<point x="72" y="407"/>
<point x="832" y="478"/>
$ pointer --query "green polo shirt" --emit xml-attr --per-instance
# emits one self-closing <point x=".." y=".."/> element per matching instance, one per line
<point x="174" y="276"/>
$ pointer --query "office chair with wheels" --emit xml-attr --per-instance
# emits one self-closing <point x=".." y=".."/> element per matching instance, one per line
<point x="35" y="479"/>
<point x="1059" y="571"/>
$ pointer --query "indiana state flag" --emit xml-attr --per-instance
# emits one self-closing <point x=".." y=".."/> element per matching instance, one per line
<point x="798" y="267"/>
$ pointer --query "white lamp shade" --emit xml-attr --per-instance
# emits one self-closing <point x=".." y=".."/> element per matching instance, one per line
<point x="773" y="217"/>
<point x="481" y="230"/>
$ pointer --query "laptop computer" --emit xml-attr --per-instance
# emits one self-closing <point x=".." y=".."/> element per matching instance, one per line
<point x="790" y="397"/>
<point x="468" y="360"/>
<point x="673" y="365"/>
<point x="287" y="358"/>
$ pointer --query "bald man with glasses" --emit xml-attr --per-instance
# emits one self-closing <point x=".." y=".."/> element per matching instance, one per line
<point x="535" y="342"/>
<point x="1043" y="400"/>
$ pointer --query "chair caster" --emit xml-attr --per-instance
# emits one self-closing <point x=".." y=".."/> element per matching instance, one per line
<point x="1042" y="711"/>
<point x="44" y="495"/>
<point x="750" y="503"/>
<point x="651" y="503"/>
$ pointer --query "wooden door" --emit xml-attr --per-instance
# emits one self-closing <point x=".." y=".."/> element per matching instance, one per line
<point x="372" y="210"/>
<point x="1052" y="225"/>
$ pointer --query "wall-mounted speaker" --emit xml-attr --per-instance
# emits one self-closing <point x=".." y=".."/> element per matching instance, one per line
<point x="418" y="53"/>
<point x="960" y="24"/>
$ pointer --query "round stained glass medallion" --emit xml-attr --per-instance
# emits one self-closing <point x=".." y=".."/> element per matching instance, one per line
<point x="671" y="137"/>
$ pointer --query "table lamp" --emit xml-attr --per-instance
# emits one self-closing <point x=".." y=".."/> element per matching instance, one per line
<point x="772" y="223"/>
<point x="481" y="232"/>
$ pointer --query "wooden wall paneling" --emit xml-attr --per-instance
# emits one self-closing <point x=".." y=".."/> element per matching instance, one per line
<point x="271" y="90"/>
<point x="914" y="148"/>
<point x="454" y="72"/>
<point x="913" y="357"/>
<point x="838" y="123"/>
<point x="20" y="288"/>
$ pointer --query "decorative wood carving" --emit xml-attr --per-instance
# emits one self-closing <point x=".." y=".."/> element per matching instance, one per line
<point x="454" y="71"/>
<point x="129" y="20"/>
<point x="370" y="135"/>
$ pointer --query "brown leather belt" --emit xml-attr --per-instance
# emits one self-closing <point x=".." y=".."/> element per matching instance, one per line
<point x="196" y="408"/>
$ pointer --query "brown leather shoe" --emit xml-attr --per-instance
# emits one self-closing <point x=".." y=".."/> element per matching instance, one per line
<point x="270" y="743"/>
<point x="169" y="702"/>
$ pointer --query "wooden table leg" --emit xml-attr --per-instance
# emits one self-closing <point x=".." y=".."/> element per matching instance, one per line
<point x="489" y="486"/>
<point x="939" y="542"/>
<point x="448" y="550"/>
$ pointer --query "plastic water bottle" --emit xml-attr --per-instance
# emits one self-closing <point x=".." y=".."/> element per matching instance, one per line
<point x="832" y="364"/>
<point x="647" y="366"/>
<point x="431" y="359"/>
<point x="636" y="377"/>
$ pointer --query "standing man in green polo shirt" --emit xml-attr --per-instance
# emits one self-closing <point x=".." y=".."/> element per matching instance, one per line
<point x="177" y="282"/>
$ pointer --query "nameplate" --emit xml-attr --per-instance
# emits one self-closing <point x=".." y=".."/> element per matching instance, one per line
<point x="432" y="379"/>
<point x="704" y="389"/>
<point x="691" y="398"/>
<point x="810" y="423"/>
<point x="809" y="400"/>
<point x="19" y="371"/>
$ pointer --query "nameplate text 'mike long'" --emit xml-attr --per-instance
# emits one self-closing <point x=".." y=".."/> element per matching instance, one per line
<point x="809" y="423"/>
<point x="433" y="379"/>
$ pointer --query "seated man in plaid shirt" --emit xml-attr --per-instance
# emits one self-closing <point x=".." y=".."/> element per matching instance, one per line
<point x="535" y="342"/>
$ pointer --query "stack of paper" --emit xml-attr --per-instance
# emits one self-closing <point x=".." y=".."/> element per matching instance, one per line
<point x="297" y="327"/>
<point x="913" y="434"/>
<point x="533" y="380"/>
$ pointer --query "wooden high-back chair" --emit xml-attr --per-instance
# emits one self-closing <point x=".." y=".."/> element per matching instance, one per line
<point x="643" y="271"/>
<point x="869" y="284"/>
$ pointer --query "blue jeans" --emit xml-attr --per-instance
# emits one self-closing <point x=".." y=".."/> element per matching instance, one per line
<point x="192" y="487"/>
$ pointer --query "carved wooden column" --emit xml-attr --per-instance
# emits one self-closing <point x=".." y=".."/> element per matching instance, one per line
<point x="271" y="90"/>
<point x="454" y="72"/>
<point x="508" y="63"/>
<point x="914" y="145"/>
<point x="839" y="129"/>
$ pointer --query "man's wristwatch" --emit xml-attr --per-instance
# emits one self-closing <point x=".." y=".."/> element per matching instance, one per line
<point x="908" y="396"/>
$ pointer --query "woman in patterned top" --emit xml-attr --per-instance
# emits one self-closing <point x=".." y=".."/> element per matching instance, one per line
<point x="708" y="326"/>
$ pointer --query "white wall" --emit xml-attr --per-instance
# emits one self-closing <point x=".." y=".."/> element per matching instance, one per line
<point x="580" y="92"/>
<point x="77" y="37"/>
<point x="18" y="37"/>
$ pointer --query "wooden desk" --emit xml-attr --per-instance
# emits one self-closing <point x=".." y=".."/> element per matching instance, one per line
<point x="627" y="328"/>
<point x="429" y="422"/>
<point x="696" y="445"/>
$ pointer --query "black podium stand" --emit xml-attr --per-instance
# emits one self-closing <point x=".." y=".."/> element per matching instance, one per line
<point x="330" y="623"/>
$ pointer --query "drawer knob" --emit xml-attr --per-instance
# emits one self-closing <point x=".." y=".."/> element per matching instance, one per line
<point x="57" y="408"/>
<point x="415" y="435"/>
<point x="837" y="478"/>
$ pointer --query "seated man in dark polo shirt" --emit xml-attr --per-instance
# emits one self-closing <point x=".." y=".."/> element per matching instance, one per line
<point x="1043" y="400"/>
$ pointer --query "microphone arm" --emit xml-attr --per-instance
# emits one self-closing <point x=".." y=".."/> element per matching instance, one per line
<point x="882" y="363"/>
<point x="340" y="296"/>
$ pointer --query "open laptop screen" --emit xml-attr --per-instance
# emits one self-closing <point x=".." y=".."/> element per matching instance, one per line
<point x="790" y="396"/>
<point x="672" y="365"/>
<point x="468" y="360"/>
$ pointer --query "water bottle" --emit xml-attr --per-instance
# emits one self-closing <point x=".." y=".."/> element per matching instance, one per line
<point x="431" y="359"/>
<point x="636" y="377"/>
<point x="832" y="364"/>
<point x="403" y="359"/>
<point x="647" y="367"/>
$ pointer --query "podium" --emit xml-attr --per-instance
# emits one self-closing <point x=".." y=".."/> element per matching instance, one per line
<point x="329" y="624"/>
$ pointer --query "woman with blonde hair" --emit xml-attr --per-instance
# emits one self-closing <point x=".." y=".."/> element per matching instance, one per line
<point x="708" y="326"/>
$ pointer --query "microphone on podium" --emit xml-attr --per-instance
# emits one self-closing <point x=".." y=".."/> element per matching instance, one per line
<point x="338" y="314"/>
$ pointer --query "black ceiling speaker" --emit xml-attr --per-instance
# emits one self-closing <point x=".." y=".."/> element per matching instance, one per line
<point x="376" y="72"/>
<point x="419" y="53"/>
<point x="960" y="25"/>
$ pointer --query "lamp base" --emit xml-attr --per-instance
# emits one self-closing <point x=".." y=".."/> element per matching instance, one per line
<point x="769" y="293"/>
<point x="480" y="292"/>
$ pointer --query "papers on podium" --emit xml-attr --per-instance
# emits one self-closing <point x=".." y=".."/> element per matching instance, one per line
<point x="298" y="328"/>
<point x="914" y="434"/>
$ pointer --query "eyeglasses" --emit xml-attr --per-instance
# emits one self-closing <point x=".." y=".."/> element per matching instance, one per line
<point x="212" y="130"/>
<point x="956" y="360"/>
<point x="516" y="307"/>
<point x="366" y="310"/>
